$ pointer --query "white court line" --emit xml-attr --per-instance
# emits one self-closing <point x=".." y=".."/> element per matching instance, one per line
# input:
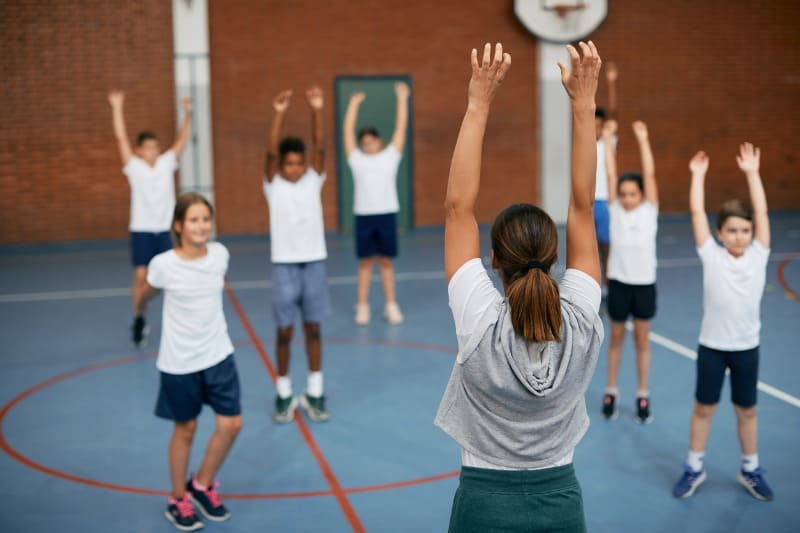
<point x="691" y="354"/>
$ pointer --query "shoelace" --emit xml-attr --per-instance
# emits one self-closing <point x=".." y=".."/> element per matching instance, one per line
<point x="185" y="506"/>
<point x="213" y="495"/>
<point x="754" y="478"/>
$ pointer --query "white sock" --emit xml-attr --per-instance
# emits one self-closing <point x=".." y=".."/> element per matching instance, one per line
<point x="198" y="486"/>
<point x="284" y="386"/>
<point x="314" y="387"/>
<point x="749" y="462"/>
<point x="643" y="394"/>
<point x="695" y="460"/>
<point x="612" y="390"/>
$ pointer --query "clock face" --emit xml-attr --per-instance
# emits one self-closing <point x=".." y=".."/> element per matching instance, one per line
<point x="561" y="21"/>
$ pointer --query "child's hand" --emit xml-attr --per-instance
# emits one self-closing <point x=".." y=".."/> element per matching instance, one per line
<point x="609" y="128"/>
<point x="699" y="163"/>
<point x="487" y="75"/>
<point x="358" y="97"/>
<point x="749" y="158"/>
<point x="186" y="104"/>
<point x="612" y="73"/>
<point x="281" y="102"/>
<point x="401" y="89"/>
<point x="314" y="96"/>
<point x="640" y="130"/>
<point x="581" y="82"/>
<point x="116" y="98"/>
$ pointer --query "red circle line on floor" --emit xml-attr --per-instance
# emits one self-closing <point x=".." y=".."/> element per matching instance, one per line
<point x="13" y="453"/>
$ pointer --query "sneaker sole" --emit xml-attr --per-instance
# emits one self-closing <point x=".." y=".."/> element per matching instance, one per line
<point x="612" y="417"/>
<point x="643" y="421"/>
<point x="750" y="489"/>
<point x="694" y="487"/>
<point x="205" y="513"/>
<point x="198" y="525"/>
<point x="289" y="416"/>
<point x="142" y="343"/>
<point x="310" y="412"/>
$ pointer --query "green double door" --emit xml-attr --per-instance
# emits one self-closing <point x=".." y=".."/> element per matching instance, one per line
<point x="378" y="110"/>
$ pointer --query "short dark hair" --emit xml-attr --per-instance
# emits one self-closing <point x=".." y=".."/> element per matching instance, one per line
<point x="145" y="136"/>
<point x="367" y="130"/>
<point x="734" y="208"/>
<point x="600" y="113"/>
<point x="291" y="145"/>
<point x="631" y="176"/>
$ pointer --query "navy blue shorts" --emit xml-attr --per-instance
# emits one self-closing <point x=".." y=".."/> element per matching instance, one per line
<point x="638" y="301"/>
<point x="601" y="221"/>
<point x="145" y="246"/>
<point x="711" y="365"/>
<point x="376" y="235"/>
<point x="181" y="396"/>
<point x="299" y="285"/>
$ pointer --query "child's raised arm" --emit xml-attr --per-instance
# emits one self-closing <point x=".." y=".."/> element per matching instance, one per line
<point x="749" y="160"/>
<point x="349" y="126"/>
<point x="186" y="127"/>
<point x="648" y="163"/>
<point x="461" y="238"/>
<point x="280" y="104"/>
<point x="117" y="99"/>
<point x="609" y="130"/>
<point x="581" y="86"/>
<point x="401" y="116"/>
<point x="315" y="101"/>
<point x="699" y="166"/>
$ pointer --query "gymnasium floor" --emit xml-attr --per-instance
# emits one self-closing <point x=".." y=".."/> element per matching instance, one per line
<point x="82" y="451"/>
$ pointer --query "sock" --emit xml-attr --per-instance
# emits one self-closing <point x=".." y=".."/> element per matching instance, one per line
<point x="314" y="387"/>
<point x="749" y="462"/>
<point x="643" y="394"/>
<point x="284" y="386"/>
<point x="613" y="391"/>
<point x="695" y="460"/>
<point x="198" y="486"/>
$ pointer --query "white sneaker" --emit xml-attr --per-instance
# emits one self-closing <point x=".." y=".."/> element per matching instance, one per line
<point x="393" y="314"/>
<point x="362" y="314"/>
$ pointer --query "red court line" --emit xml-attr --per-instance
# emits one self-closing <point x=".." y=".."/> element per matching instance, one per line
<point x="327" y="471"/>
<point x="786" y="260"/>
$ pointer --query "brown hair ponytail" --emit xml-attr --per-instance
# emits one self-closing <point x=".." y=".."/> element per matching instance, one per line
<point x="525" y="246"/>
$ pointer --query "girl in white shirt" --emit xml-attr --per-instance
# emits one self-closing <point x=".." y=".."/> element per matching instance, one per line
<point x="195" y="359"/>
<point x="631" y="269"/>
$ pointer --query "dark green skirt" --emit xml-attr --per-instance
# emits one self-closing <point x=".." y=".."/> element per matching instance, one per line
<point x="518" y="501"/>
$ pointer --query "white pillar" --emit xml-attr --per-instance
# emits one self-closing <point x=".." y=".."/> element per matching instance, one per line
<point x="192" y="78"/>
<point x="555" y="128"/>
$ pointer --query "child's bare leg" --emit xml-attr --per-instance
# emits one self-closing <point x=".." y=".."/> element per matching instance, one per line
<point x="364" y="279"/>
<point x="219" y="445"/>
<point x="603" y="248"/>
<point x="138" y="290"/>
<point x="615" y="353"/>
<point x="387" y="278"/>
<point x="180" y="446"/>
<point x="282" y="349"/>
<point x="747" y="425"/>
<point x="313" y="346"/>
<point x="700" y="426"/>
<point x="641" y="332"/>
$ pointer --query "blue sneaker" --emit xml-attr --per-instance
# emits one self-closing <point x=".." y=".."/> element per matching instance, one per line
<point x="755" y="484"/>
<point x="208" y="501"/>
<point x="688" y="482"/>
<point x="181" y="514"/>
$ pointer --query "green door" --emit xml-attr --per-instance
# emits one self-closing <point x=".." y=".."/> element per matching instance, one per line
<point x="378" y="110"/>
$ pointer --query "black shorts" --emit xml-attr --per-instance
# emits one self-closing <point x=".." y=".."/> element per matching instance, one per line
<point x="376" y="235"/>
<point x="145" y="246"/>
<point x="181" y="396"/>
<point x="711" y="365"/>
<point x="626" y="300"/>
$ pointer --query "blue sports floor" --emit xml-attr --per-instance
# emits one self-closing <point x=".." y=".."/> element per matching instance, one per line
<point x="82" y="451"/>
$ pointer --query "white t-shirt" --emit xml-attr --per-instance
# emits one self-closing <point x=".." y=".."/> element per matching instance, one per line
<point x="601" y="177"/>
<point x="194" y="333"/>
<point x="632" y="256"/>
<point x="295" y="218"/>
<point x="472" y="294"/>
<point x="152" y="192"/>
<point x="375" y="181"/>
<point x="732" y="290"/>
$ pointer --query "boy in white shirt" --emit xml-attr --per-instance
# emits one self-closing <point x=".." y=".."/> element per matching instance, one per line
<point x="376" y="204"/>
<point x="152" y="180"/>
<point x="734" y="275"/>
<point x="299" y="277"/>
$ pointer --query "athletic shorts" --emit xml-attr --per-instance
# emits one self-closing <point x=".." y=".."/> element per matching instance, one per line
<point x="145" y="246"/>
<point x="181" y="396"/>
<point x="638" y="301"/>
<point x="376" y="235"/>
<point x="711" y="366"/>
<point x="601" y="221"/>
<point x="299" y="285"/>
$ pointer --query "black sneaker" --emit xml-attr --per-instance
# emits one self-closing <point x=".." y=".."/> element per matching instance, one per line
<point x="643" y="415"/>
<point x="140" y="331"/>
<point x="284" y="409"/>
<point x="181" y="514"/>
<point x="208" y="501"/>
<point x="314" y="407"/>
<point x="610" y="406"/>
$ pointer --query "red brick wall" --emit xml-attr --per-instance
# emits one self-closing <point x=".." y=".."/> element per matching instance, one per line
<point x="60" y="174"/>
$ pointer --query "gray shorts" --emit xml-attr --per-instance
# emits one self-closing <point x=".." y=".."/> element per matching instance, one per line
<point x="303" y="285"/>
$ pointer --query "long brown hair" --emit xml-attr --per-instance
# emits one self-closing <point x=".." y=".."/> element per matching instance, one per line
<point x="182" y="205"/>
<point x="525" y="246"/>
